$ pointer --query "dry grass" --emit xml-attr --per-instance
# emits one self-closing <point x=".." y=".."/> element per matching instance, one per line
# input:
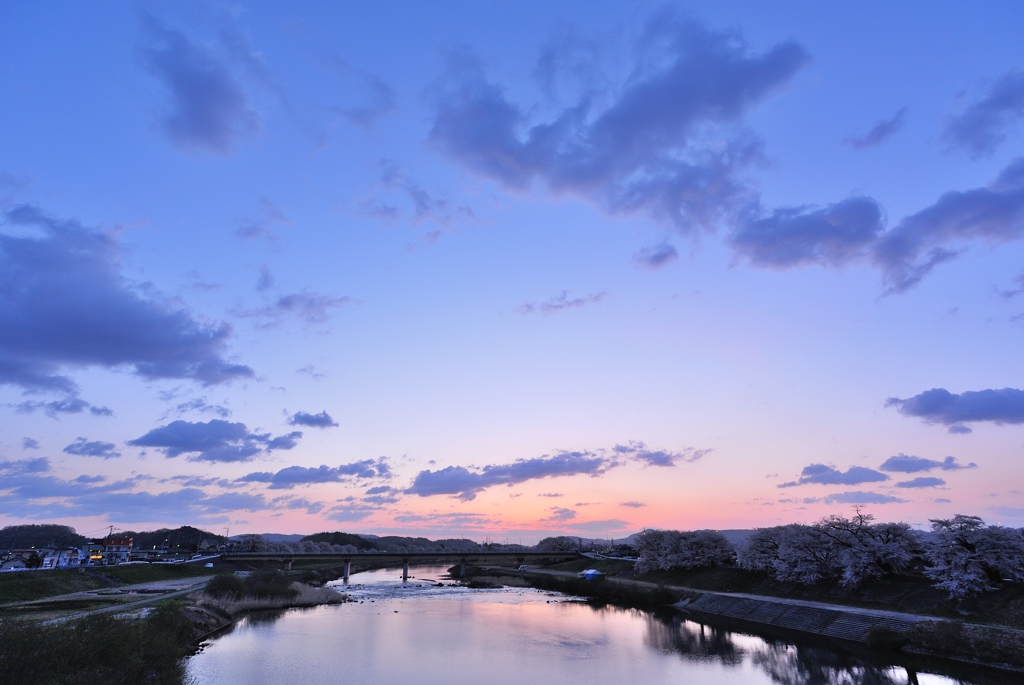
<point x="305" y="596"/>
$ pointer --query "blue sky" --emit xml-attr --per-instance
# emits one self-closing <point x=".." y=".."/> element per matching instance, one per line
<point x="510" y="270"/>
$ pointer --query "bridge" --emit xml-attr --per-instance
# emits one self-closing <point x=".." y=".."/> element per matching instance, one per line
<point x="288" y="558"/>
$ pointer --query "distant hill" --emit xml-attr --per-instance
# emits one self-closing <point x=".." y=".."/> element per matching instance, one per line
<point x="39" y="535"/>
<point x="183" y="539"/>
<point x="281" y="537"/>
<point x="339" y="538"/>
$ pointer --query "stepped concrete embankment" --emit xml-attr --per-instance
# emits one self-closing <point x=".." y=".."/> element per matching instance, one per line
<point x="840" y="623"/>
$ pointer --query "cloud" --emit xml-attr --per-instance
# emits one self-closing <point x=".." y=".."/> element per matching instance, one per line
<point x="380" y="101"/>
<point x="465" y="484"/>
<point x="291" y="476"/>
<point x="859" y="497"/>
<point x="639" y="451"/>
<point x="855" y="228"/>
<point x="634" y="505"/>
<point x="820" y="474"/>
<point x="879" y="132"/>
<point x="656" y="256"/>
<point x="64" y="304"/>
<point x="904" y="463"/>
<point x="321" y="420"/>
<point x="921" y="482"/>
<point x="797" y="236"/>
<point x="23" y="466"/>
<point x="560" y="514"/>
<point x="350" y="512"/>
<point x="668" y="142"/>
<point x="85" y="448"/>
<point x="938" y="405"/>
<point x="215" y="440"/>
<point x="551" y="494"/>
<point x="70" y="405"/>
<point x="561" y="303"/>
<point x="379" y="98"/>
<point x="311" y="371"/>
<point x="260" y="225"/>
<point x="266" y="280"/>
<point x="424" y="205"/>
<point x="937" y="233"/>
<point x="29" y="490"/>
<point x="207" y="106"/>
<point x="312" y="308"/>
<point x="29" y="444"/>
<point x="985" y="123"/>
<point x="200" y="405"/>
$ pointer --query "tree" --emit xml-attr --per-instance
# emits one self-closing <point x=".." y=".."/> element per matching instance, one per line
<point x="558" y="544"/>
<point x="866" y="550"/>
<point x="666" y="549"/>
<point x="966" y="557"/>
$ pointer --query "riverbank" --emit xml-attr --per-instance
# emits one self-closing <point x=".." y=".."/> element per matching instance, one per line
<point x="991" y="646"/>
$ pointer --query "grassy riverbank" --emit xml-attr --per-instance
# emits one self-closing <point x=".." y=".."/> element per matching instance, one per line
<point x="24" y="586"/>
<point x="912" y="594"/>
<point x="97" y="649"/>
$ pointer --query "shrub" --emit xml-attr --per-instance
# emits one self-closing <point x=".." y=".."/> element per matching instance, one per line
<point x="259" y="585"/>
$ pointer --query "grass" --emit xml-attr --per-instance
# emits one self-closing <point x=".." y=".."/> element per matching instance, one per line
<point x="26" y="586"/>
<point x="908" y="593"/>
<point x="619" y="594"/>
<point x="606" y="566"/>
<point x="97" y="649"/>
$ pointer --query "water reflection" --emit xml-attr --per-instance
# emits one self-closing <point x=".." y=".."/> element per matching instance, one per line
<point x="783" y="663"/>
<point x="424" y="634"/>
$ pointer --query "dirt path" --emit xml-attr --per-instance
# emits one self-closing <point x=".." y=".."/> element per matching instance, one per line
<point x="125" y="607"/>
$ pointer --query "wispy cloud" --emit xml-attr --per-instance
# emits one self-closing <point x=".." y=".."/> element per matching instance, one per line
<point x="292" y="476"/>
<point x="656" y="256"/>
<point x="464" y="483"/>
<point x="667" y="143"/>
<point x="560" y="303"/>
<point x="985" y="123"/>
<point x="879" y="132"/>
<point x="207" y="106"/>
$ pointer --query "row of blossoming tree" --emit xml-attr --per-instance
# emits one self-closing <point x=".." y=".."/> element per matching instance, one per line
<point x="961" y="555"/>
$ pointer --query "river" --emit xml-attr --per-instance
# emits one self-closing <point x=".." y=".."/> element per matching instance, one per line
<point x="421" y="634"/>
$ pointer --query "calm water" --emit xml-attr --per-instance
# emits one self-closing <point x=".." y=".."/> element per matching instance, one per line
<point x="424" y="635"/>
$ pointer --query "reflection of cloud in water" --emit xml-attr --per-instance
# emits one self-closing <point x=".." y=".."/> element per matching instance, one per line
<point x="784" y="663"/>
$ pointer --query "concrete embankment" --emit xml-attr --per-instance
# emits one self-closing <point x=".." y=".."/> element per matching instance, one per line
<point x="853" y="625"/>
<point x="976" y="644"/>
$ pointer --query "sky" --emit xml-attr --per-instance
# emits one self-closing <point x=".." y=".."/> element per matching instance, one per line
<point x="510" y="270"/>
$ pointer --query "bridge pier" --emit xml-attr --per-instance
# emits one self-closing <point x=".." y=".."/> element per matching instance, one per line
<point x="405" y="570"/>
<point x="462" y="567"/>
<point x="519" y="562"/>
<point x="348" y="567"/>
<point x="287" y="564"/>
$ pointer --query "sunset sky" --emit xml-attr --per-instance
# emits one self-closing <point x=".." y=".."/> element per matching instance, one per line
<point x="510" y="269"/>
